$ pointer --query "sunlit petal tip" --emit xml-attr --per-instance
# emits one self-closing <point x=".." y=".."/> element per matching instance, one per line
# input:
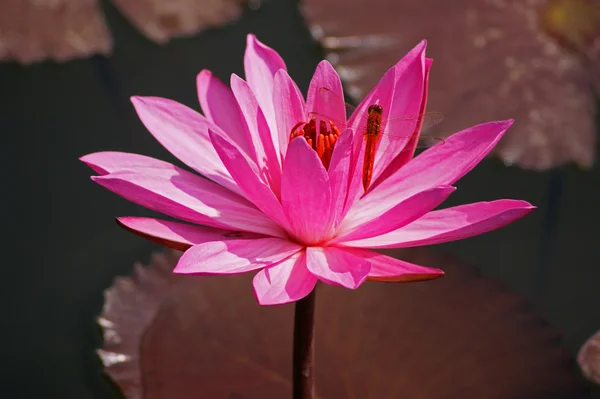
<point x="326" y="65"/>
<point x="136" y="100"/>
<point x="515" y="204"/>
<point x="253" y="41"/>
<point x="337" y="266"/>
<point x="268" y="300"/>
<point x="235" y="79"/>
<point x="85" y="158"/>
<point x="203" y="78"/>
<point x="90" y="161"/>
<point x="145" y="104"/>
<point x="416" y="52"/>
<point x="204" y="74"/>
<point x="286" y="282"/>
<point x="148" y="104"/>
<point x="326" y="76"/>
<point x="251" y="38"/>
<point x="257" y="49"/>
<point x="128" y="223"/>
<point x="528" y="209"/>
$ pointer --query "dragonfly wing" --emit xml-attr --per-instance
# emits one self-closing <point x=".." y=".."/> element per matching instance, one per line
<point x="431" y="119"/>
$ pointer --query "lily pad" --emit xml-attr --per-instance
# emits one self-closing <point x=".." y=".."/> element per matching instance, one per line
<point x="461" y="336"/>
<point x="492" y="60"/>
<point x="589" y="358"/>
<point x="60" y="30"/>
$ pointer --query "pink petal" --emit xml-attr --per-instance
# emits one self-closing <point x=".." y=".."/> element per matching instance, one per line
<point x="221" y="108"/>
<point x="267" y="156"/>
<point x="337" y="266"/>
<point x="261" y="63"/>
<point x="409" y="150"/>
<point x="321" y="101"/>
<point x="339" y="173"/>
<point x="247" y="177"/>
<point x="290" y="107"/>
<point x="406" y="101"/>
<point x="184" y="132"/>
<point x="106" y="162"/>
<point x="180" y="236"/>
<point x="443" y="164"/>
<point x="306" y="194"/>
<point x="285" y="282"/>
<point x="388" y="269"/>
<point x="183" y="195"/>
<point x="234" y="256"/>
<point x="450" y="224"/>
<point x="374" y="222"/>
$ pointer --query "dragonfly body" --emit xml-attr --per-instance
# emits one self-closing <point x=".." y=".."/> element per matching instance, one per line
<point x="372" y="136"/>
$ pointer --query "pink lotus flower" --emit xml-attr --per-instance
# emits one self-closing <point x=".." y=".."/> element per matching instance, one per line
<point x="296" y="209"/>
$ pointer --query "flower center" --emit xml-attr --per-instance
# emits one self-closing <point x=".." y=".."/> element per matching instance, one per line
<point x="573" y="23"/>
<point x="322" y="141"/>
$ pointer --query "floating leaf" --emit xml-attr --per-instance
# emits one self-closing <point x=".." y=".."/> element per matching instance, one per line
<point x="462" y="336"/>
<point x="60" y="30"/>
<point x="35" y="30"/>
<point x="161" y="20"/>
<point x="493" y="60"/>
<point x="589" y="358"/>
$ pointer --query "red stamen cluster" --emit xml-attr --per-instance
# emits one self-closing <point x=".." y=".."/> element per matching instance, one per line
<point x="322" y="141"/>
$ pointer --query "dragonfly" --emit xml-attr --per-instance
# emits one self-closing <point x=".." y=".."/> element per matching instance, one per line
<point x="382" y="135"/>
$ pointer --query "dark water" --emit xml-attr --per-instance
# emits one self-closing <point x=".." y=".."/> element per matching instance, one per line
<point x="64" y="247"/>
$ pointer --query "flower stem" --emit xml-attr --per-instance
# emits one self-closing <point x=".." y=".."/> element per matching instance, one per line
<point x="304" y="339"/>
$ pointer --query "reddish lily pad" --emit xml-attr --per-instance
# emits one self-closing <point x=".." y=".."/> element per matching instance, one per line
<point x="589" y="358"/>
<point x="160" y="21"/>
<point x="462" y="336"/>
<point x="32" y="31"/>
<point x="61" y="30"/>
<point x="493" y="60"/>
